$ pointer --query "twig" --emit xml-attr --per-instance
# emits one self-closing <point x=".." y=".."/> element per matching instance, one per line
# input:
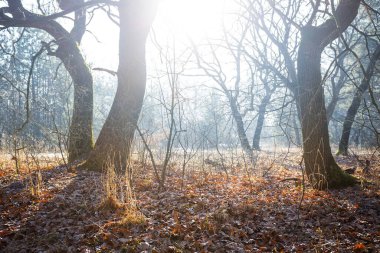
<point x="111" y="72"/>
<point x="303" y="192"/>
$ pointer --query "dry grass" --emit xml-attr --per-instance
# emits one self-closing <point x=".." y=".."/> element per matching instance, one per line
<point x="35" y="183"/>
<point x="133" y="217"/>
<point x="27" y="163"/>
<point x="117" y="191"/>
<point x="110" y="204"/>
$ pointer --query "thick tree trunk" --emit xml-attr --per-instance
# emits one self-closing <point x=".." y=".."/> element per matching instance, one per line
<point x="115" y="139"/>
<point x="80" y="134"/>
<point x="260" y="122"/>
<point x="355" y="104"/>
<point x="320" y="166"/>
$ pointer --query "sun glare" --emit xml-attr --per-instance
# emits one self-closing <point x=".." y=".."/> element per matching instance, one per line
<point x="194" y="18"/>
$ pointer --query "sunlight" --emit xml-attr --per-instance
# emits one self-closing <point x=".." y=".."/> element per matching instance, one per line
<point x="196" y="19"/>
<point x="196" y="126"/>
<point x="183" y="19"/>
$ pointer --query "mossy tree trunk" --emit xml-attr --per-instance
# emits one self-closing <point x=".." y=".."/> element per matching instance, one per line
<point x="80" y="133"/>
<point x="320" y="166"/>
<point x="115" y="139"/>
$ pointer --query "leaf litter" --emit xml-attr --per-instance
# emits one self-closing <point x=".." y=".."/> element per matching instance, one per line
<point x="208" y="214"/>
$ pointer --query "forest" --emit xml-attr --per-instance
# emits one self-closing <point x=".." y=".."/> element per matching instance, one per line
<point x="189" y="126"/>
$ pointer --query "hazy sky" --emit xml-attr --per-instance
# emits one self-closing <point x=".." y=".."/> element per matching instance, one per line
<point x="182" y="18"/>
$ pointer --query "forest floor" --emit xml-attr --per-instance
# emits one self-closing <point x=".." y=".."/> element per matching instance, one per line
<point x="61" y="210"/>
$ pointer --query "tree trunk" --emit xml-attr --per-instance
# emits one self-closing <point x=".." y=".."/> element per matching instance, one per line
<point x="240" y="128"/>
<point x="260" y="121"/>
<point x="80" y="134"/>
<point x="115" y="139"/>
<point x="320" y="166"/>
<point x="355" y="104"/>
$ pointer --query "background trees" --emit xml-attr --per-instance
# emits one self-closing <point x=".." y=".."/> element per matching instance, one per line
<point x="355" y="104"/>
<point x="65" y="47"/>
<point x="200" y="109"/>
<point x="35" y="105"/>
<point x="270" y="69"/>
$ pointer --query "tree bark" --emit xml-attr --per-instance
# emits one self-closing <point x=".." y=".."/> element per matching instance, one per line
<point x="115" y="139"/>
<point x="240" y="128"/>
<point x="320" y="166"/>
<point x="260" y="121"/>
<point x="80" y="134"/>
<point x="355" y="104"/>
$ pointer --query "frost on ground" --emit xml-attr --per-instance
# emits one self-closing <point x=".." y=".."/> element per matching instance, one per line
<point x="208" y="213"/>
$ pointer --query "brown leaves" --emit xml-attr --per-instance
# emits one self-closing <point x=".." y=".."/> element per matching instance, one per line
<point x="239" y="215"/>
<point x="359" y="247"/>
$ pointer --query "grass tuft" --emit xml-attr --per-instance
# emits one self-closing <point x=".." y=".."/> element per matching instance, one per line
<point x="110" y="204"/>
<point x="133" y="218"/>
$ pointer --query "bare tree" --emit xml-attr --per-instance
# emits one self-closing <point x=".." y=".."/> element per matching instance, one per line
<point x="320" y="166"/>
<point x="283" y="25"/>
<point x="238" y="91"/>
<point x="356" y="101"/>
<point x="15" y="15"/>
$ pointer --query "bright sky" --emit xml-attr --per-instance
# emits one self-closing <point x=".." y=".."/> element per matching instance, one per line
<point x="196" y="19"/>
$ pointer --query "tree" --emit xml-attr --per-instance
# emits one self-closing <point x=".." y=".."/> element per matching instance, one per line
<point x="265" y="101"/>
<point x="278" y="22"/>
<point x="338" y="74"/>
<point x="15" y="15"/>
<point x="215" y="70"/>
<point x="356" y="101"/>
<point x="115" y="138"/>
<point x="241" y="91"/>
<point x="320" y="166"/>
<point x="273" y="46"/>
